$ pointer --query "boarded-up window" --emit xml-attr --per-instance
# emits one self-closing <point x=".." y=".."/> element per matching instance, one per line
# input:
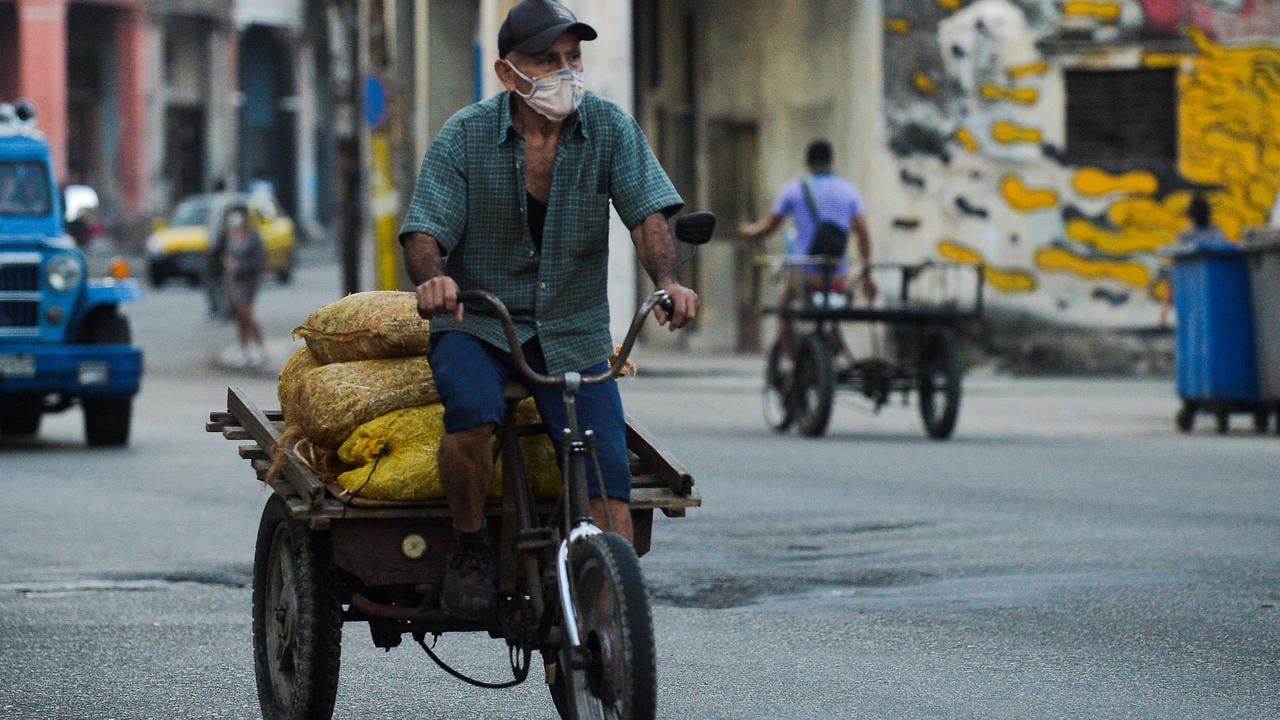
<point x="1122" y="117"/>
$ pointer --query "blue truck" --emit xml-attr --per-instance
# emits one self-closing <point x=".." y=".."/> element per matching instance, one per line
<point x="63" y="340"/>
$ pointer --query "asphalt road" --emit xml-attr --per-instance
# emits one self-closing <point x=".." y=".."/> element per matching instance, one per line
<point x="1067" y="554"/>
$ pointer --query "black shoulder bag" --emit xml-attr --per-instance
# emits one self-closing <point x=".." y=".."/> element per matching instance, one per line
<point x="829" y="239"/>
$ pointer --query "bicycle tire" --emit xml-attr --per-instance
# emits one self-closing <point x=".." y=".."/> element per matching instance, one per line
<point x="619" y="678"/>
<point x="814" y="387"/>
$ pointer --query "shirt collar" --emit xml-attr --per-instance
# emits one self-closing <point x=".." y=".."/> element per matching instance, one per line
<point x="507" y="128"/>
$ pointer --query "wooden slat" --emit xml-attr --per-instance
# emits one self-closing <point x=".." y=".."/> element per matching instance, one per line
<point x="267" y="435"/>
<point x="669" y="470"/>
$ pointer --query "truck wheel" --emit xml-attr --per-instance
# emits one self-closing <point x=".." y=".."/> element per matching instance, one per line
<point x="20" y="416"/>
<point x="106" y="419"/>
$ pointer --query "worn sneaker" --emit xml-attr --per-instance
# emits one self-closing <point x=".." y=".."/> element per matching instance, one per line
<point x="469" y="592"/>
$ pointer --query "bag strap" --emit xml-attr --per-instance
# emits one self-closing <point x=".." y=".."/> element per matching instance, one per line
<point x="808" y="200"/>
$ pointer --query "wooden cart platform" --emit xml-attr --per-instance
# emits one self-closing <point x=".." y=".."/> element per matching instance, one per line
<point x="659" y="481"/>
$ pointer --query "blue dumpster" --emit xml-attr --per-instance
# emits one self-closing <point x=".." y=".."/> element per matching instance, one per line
<point x="1215" y="358"/>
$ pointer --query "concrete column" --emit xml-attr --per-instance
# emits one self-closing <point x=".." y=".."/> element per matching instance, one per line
<point x="866" y="124"/>
<point x="131" y="40"/>
<point x="42" y="70"/>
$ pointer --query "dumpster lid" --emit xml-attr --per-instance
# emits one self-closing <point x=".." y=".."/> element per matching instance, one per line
<point x="1202" y="248"/>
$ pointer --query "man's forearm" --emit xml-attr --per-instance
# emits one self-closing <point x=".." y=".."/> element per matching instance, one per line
<point x="422" y="257"/>
<point x="656" y="251"/>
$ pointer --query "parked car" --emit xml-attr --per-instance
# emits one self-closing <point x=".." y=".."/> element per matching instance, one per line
<point x="180" y="245"/>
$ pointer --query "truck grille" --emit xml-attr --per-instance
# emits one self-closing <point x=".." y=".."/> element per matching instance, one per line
<point x="19" y="278"/>
<point x="18" y="314"/>
<point x="19" y="290"/>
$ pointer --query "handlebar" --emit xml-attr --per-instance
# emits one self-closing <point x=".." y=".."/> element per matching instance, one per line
<point x="658" y="297"/>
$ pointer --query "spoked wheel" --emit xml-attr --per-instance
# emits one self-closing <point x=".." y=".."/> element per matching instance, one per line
<point x="615" y="675"/>
<point x="939" y="386"/>
<point x="814" y="386"/>
<point x="297" y="622"/>
<point x="777" y="384"/>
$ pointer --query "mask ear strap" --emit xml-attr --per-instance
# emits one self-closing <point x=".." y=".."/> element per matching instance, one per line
<point x="532" y="85"/>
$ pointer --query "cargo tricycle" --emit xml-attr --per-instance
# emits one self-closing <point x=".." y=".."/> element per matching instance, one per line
<point x="923" y="306"/>
<point x="568" y="590"/>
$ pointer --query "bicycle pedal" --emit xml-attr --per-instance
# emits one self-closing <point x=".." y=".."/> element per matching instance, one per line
<point x="535" y="539"/>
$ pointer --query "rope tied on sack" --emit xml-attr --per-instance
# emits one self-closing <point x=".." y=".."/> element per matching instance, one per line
<point x="318" y="459"/>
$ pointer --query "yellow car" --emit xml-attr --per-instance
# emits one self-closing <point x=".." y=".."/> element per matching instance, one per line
<point x="180" y="246"/>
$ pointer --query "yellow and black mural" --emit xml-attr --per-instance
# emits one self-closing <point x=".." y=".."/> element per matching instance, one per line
<point x="1059" y="142"/>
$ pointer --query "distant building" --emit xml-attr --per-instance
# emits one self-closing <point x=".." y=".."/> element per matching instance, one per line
<point x="152" y="100"/>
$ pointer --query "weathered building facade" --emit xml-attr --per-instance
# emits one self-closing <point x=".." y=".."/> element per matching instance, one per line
<point x="1059" y="143"/>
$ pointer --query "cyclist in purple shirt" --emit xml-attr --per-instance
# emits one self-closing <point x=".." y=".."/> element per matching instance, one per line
<point x="837" y="201"/>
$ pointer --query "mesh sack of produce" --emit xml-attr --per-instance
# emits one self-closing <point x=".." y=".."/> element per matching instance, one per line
<point x="291" y="377"/>
<point x="393" y="457"/>
<point x="333" y="400"/>
<point x="365" y="326"/>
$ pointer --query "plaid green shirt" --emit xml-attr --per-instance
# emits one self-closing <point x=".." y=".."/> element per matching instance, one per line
<point x="471" y="198"/>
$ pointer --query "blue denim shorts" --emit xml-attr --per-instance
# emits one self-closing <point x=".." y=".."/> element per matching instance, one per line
<point x="470" y="375"/>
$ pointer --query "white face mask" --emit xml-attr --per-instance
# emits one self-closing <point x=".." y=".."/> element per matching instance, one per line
<point x="555" y="95"/>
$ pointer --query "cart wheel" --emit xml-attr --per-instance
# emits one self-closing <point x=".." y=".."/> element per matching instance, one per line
<point x="940" y="378"/>
<point x="1186" y="417"/>
<point x="814" y="387"/>
<point x="1224" y="421"/>
<point x="297" y="622"/>
<point x="778" y="374"/>
<point x="616" y="675"/>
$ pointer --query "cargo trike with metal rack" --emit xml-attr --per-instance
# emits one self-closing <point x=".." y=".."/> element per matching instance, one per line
<point x="569" y="590"/>
<point x="922" y="308"/>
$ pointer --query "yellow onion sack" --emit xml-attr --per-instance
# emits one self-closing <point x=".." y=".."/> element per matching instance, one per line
<point x="366" y="326"/>
<point x="393" y="457"/>
<point x="333" y="400"/>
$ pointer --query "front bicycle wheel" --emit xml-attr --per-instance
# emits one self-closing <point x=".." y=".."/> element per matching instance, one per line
<point x="614" y="674"/>
<point x="815" y="377"/>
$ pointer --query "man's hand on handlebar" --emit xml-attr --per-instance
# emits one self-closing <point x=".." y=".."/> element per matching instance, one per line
<point x="439" y="296"/>
<point x="683" y="308"/>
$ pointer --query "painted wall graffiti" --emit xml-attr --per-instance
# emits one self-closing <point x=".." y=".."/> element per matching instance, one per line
<point x="976" y="100"/>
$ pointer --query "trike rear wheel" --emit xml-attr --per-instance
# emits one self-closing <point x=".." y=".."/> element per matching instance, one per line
<point x="940" y="377"/>
<point x="615" y="673"/>
<point x="297" y="622"/>
<point x="814" y="386"/>
<point x="778" y="373"/>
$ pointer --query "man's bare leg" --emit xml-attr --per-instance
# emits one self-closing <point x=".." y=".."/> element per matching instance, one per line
<point x="619" y="515"/>
<point x="466" y="471"/>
